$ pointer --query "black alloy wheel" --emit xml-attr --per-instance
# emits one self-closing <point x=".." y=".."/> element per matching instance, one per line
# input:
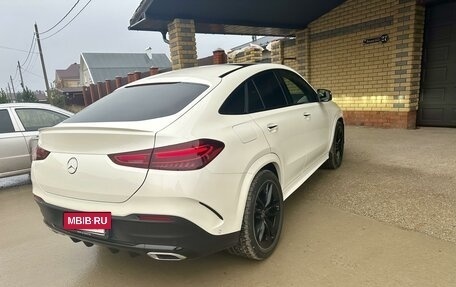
<point x="336" y="153"/>
<point x="267" y="214"/>
<point x="263" y="218"/>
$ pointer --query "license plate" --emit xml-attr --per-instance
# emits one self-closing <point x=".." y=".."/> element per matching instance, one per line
<point x="88" y="222"/>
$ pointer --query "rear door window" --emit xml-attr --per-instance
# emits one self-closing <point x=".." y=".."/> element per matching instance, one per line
<point x="243" y="100"/>
<point x="34" y="119"/>
<point x="137" y="103"/>
<point x="6" y="125"/>
<point x="270" y="90"/>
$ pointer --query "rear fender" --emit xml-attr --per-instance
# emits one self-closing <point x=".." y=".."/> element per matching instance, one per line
<point x="248" y="179"/>
<point x="333" y="129"/>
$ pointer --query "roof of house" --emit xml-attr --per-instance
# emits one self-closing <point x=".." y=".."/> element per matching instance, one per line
<point x="209" y="60"/>
<point x="41" y="95"/>
<point x="253" y="17"/>
<point x="72" y="72"/>
<point x="103" y="66"/>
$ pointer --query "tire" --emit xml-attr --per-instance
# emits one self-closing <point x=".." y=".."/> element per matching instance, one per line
<point x="336" y="153"/>
<point x="263" y="218"/>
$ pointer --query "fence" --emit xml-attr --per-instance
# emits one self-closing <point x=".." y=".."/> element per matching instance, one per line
<point x="94" y="92"/>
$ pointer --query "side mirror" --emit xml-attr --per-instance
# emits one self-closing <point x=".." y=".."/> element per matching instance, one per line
<point x="325" y="95"/>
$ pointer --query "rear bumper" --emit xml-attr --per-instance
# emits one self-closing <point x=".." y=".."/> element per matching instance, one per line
<point x="179" y="236"/>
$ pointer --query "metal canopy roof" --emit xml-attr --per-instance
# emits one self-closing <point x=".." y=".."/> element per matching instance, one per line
<point x="242" y="17"/>
<point x="104" y="66"/>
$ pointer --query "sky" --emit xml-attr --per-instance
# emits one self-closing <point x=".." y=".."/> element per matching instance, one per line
<point x="101" y="27"/>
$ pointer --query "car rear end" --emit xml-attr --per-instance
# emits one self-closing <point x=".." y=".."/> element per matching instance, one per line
<point x="114" y="158"/>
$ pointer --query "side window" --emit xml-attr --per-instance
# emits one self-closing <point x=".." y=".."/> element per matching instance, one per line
<point x="297" y="90"/>
<point x="234" y="104"/>
<point x="34" y="119"/>
<point x="6" y="126"/>
<point x="244" y="99"/>
<point x="255" y="103"/>
<point x="270" y="91"/>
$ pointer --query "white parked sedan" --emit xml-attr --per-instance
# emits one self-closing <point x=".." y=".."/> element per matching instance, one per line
<point x="187" y="163"/>
<point x="19" y="124"/>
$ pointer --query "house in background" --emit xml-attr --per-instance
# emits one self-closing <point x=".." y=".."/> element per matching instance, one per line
<point x="388" y="63"/>
<point x="67" y="82"/>
<point x="98" y="67"/>
<point x="40" y="96"/>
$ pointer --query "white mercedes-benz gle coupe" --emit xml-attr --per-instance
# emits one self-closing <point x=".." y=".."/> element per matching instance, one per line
<point x="189" y="162"/>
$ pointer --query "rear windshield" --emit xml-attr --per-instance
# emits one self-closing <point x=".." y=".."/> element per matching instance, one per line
<point x="138" y="103"/>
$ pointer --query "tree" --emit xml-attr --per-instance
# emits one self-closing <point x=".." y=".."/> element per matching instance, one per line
<point x="27" y="96"/>
<point x="3" y="97"/>
<point x="55" y="98"/>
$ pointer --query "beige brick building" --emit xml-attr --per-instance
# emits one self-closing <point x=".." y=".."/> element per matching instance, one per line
<point x="389" y="63"/>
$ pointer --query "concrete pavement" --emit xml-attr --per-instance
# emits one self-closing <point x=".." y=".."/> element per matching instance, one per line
<point x="377" y="221"/>
<point x="403" y="177"/>
<point x="320" y="246"/>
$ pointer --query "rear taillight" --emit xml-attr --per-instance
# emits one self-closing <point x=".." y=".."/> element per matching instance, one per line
<point x="139" y="158"/>
<point x="40" y="153"/>
<point x="185" y="156"/>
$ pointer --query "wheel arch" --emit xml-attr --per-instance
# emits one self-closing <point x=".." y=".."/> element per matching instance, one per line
<point x="338" y="118"/>
<point x="267" y="162"/>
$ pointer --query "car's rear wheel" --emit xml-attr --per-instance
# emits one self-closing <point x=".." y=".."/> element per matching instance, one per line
<point x="263" y="217"/>
<point x="336" y="153"/>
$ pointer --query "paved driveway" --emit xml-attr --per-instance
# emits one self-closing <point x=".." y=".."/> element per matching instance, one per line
<point x="350" y="227"/>
<point x="403" y="177"/>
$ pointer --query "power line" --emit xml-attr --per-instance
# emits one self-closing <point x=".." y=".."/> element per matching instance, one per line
<point x="32" y="73"/>
<point x="30" y="49"/>
<point x="13" y="49"/>
<point x="62" y="18"/>
<point x="69" y="21"/>
<point x="33" y="59"/>
<point x="32" y="54"/>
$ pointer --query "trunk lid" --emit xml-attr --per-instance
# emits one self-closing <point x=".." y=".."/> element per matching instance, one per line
<point x="78" y="165"/>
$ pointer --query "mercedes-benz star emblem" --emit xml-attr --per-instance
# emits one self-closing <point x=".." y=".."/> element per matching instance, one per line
<point x="72" y="165"/>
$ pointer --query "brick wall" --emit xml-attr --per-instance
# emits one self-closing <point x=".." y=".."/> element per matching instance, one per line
<point x="182" y="43"/>
<point x="285" y="52"/>
<point x="375" y="84"/>
<point x="247" y="55"/>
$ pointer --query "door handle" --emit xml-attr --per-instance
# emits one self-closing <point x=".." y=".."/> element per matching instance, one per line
<point x="307" y="116"/>
<point x="273" y="127"/>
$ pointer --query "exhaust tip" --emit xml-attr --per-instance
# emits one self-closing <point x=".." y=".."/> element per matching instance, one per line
<point x="75" y="240"/>
<point x="166" y="256"/>
<point x="88" y="244"/>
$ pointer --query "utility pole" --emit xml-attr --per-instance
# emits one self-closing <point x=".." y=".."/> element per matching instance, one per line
<point x="9" y="93"/>
<point x="12" y="85"/>
<point x="20" y="73"/>
<point x="48" y="91"/>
